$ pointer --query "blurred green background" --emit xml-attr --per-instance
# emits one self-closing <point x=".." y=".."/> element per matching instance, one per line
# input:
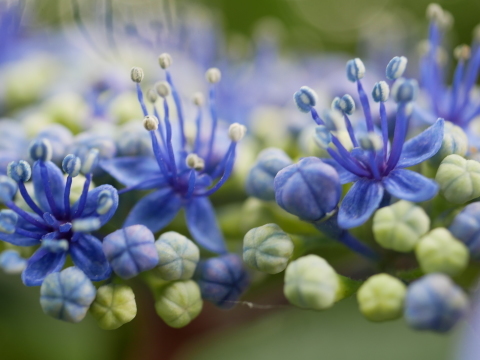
<point x="282" y="332"/>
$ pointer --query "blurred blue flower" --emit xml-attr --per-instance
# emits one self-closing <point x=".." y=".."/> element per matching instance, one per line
<point x="11" y="262"/>
<point x="466" y="228"/>
<point x="54" y="224"/>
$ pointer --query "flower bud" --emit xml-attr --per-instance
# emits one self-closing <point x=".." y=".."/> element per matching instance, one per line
<point x="179" y="303"/>
<point x="130" y="251"/>
<point x="311" y="283"/>
<point x="381" y="91"/>
<point x="405" y="90"/>
<point x="163" y="89"/>
<point x="399" y="226"/>
<point x="355" y="70"/>
<point x="347" y="104"/>
<point x="267" y="248"/>
<point x="40" y="149"/>
<point x="434" y="303"/>
<point x="322" y="137"/>
<point x="305" y="99"/>
<point x="150" y="123"/>
<point x="8" y="189"/>
<point x="466" y="228"/>
<point x="114" y="306"/>
<point x="222" y="280"/>
<point x="454" y="141"/>
<point x="72" y="165"/>
<point x="309" y="189"/>
<point x="11" y="262"/>
<point x="381" y="298"/>
<point x="396" y="67"/>
<point x="90" y="162"/>
<point x="178" y="256"/>
<point x="213" y="75"/>
<point x="67" y="295"/>
<point x="19" y="171"/>
<point x="136" y="74"/>
<point x="439" y="251"/>
<point x="165" y="60"/>
<point x="8" y="221"/>
<point x="459" y="179"/>
<point x="260" y="179"/>
<point x="236" y="132"/>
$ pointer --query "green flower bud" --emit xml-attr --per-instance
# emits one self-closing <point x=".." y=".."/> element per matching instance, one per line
<point x="178" y="255"/>
<point x="439" y="251"/>
<point x="179" y="303"/>
<point x="400" y="226"/>
<point x="114" y="306"/>
<point x="267" y="248"/>
<point x="381" y="298"/>
<point x="311" y="283"/>
<point x="455" y="141"/>
<point x="459" y="179"/>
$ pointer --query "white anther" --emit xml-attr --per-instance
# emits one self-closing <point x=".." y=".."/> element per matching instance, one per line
<point x="165" y="60"/>
<point x="194" y="161"/>
<point x="150" y="123"/>
<point x="136" y="74"/>
<point x="213" y="75"/>
<point x="198" y="99"/>
<point x="163" y="89"/>
<point x="236" y="132"/>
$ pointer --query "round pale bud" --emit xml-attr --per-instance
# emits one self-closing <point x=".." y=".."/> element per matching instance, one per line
<point x="311" y="283"/>
<point x="404" y="90"/>
<point x="462" y="52"/>
<point x="136" y="74"/>
<point x="347" y="104"/>
<point x="267" y="248"/>
<point x="114" y="306"/>
<point x="20" y="171"/>
<point x="163" y="89"/>
<point x="152" y="95"/>
<point x="381" y="298"/>
<point x="71" y="165"/>
<point x="40" y="149"/>
<point x="198" y="99"/>
<point x="399" y="226"/>
<point x="355" y="69"/>
<point x="381" y="91"/>
<point x="305" y="99"/>
<point x="455" y="141"/>
<point x="178" y="303"/>
<point x="459" y="179"/>
<point x="396" y="67"/>
<point x="236" y="132"/>
<point x="439" y="251"/>
<point x="165" y="60"/>
<point x="213" y="75"/>
<point x="193" y="161"/>
<point x="434" y="12"/>
<point x="150" y="123"/>
<point x="178" y="256"/>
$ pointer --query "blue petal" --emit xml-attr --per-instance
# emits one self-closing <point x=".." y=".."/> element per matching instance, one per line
<point x="42" y="263"/>
<point x="87" y="254"/>
<point x="422" y="146"/>
<point x="21" y="240"/>
<point x="360" y="203"/>
<point x="344" y="175"/>
<point x="409" y="185"/>
<point x="131" y="171"/>
<point x="91" y="205"/>
<point x="156" y="210"/>
<point x="202" y="224"/>
<point x="57" y="185"/>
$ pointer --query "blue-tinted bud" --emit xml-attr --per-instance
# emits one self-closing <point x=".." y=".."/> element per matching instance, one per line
<point x="355" y="70"/>
<point x="346" y="104"/>
<point x="8" y="221"/>
<point x="322" y="137"/>
<point x="67" y="295"/>
<point x="86" y="225"/>
<point x="405" y="90"/>
<point x="72" y="165"/>
<point x="40" y="149"/>
<point x="466" y="228"/>
<point x="381" y="91"/>
<point x="336" y="104"/>
<point x="54" y="245"/>
<point x="8" y="189"/>
<point x="260" y="179"/>
<point x="20" y="171"/>
<point x="131" y="250"/>
<point x="434" y="303"/>
<point x="222" y="280"/>
<point x="309" y="189"/>
<point x="305" y="98"/>
<point x="90" y="162"/>
<point x="370" y="141"/>
<point x="105" y="202"/>
<point x="396" y="67"/>
<point x="11" y="262"/>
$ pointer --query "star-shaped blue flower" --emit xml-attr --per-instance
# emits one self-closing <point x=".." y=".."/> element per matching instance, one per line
<point x="54" y="224"/>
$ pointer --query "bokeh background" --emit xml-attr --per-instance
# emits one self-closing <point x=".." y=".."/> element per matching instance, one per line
<point x="371" y="28"/>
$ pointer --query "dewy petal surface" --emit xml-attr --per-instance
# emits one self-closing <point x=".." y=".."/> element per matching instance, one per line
<point x="409" y="185"/>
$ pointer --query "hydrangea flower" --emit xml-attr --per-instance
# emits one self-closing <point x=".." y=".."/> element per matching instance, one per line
<point x="58" y="227"/>
<point x="181" y="179"/>
<point x="376" y="167"/>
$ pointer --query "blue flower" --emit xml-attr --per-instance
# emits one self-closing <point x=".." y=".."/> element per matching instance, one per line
<point x="54" y="224"/>
<point x="466" y="228"/>
<point x="181" y="179"/>
<point x="376" y="168"/>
